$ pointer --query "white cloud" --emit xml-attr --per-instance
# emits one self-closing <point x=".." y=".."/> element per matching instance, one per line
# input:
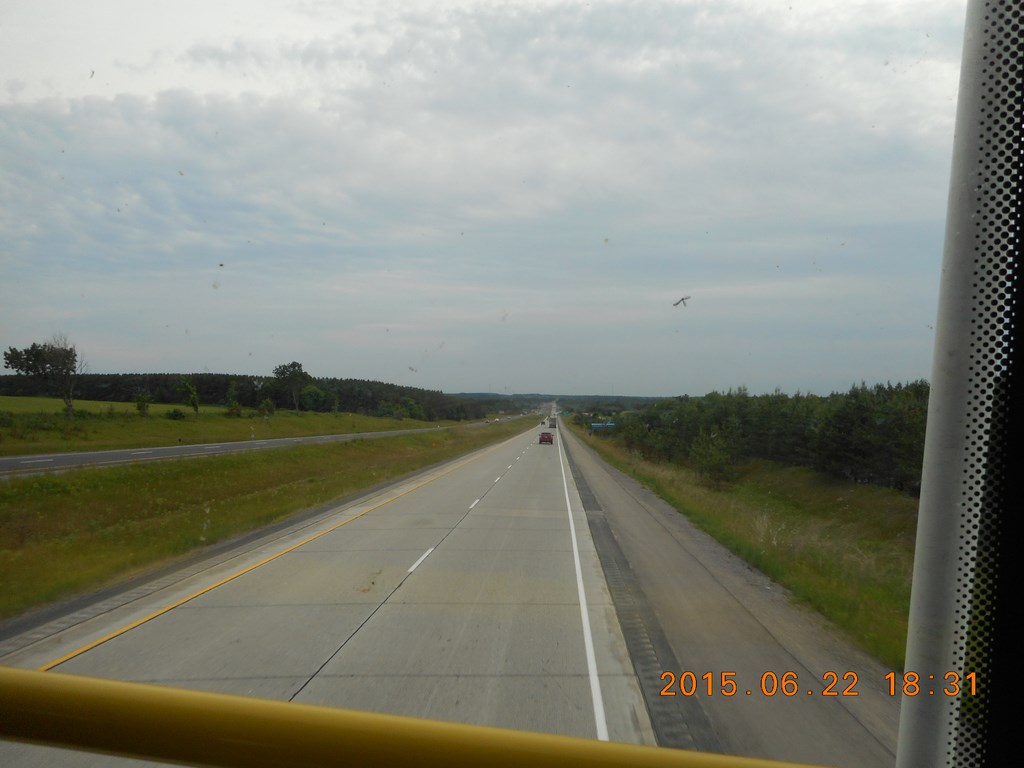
<point x="494" y="177"/>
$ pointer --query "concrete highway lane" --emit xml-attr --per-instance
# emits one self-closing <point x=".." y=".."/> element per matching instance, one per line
<point x="470" y="593"/>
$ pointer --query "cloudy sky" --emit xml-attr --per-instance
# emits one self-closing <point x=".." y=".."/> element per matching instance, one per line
<point x="475" y="196"/>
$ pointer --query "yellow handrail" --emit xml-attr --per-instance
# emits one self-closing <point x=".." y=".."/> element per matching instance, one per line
<point x="214" y="729"/>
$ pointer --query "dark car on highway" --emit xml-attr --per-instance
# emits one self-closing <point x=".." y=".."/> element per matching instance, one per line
<point x="547" y="437"/>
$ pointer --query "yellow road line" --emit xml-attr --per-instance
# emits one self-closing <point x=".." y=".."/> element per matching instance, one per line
<point x="167" y="608"/>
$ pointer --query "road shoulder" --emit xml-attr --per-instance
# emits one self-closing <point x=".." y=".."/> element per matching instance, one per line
<point x="746" y="623"/>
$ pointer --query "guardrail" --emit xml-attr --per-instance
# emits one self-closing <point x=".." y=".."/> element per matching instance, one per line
<point x="212" y="729"/>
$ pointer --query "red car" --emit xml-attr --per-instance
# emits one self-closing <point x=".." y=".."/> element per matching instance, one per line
<point x="547" y="437"/>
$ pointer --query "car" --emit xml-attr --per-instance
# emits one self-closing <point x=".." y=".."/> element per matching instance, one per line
<point x="547" y="437"/>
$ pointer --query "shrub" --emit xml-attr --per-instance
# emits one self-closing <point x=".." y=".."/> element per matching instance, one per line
<point x="175" y="414"/>
<point x="142" y="400"/>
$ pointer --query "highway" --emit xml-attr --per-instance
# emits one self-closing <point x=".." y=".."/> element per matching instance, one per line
<point x="49" y="462"/>
<point x="467" y="593"/>
<point x="689" y="606"/>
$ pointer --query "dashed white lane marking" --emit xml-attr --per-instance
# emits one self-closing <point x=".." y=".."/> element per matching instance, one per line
<point x="422" y="558"/>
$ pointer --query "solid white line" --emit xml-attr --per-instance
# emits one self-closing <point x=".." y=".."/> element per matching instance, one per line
<point x="140" y="453"/>
<point x="422" y="558"/>
<point x="474" y="503"/>
<point x="588" y="640"/>
<point x="34" y="461"/>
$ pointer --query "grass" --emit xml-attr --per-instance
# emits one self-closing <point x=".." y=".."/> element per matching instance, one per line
<point x="68" y="533"/>
<point x="845" y="550"/>
<point x="30" y="425"/>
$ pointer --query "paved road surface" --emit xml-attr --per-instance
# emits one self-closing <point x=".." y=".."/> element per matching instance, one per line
<point x="14" y="465"/>
<point x="704" y="610"/>
<point x="455" y="595"/>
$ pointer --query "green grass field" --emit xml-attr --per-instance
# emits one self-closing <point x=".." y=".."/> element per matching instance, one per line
<point x="71" y="532"/>
<point x="844" y="549"/>
<point x="37" y="425"/>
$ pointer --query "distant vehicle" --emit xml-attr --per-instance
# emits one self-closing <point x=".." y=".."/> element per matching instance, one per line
<point x="547" y="437"/>
<point x="551" y="423"/>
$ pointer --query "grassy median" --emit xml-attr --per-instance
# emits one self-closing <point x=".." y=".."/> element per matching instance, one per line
<point x="844" y="549"/>
<point x="30" y="425"/>
<point x="72" y="532"/>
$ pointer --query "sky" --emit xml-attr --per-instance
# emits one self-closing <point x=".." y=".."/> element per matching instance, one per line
<point x="481" y="196"/>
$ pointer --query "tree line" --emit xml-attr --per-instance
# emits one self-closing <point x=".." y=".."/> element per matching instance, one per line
<point x="233" y="390"/>
<point x="868" y="434"/>
<point x="54" y="368"/>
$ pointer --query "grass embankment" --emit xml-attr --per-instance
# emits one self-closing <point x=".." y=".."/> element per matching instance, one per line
<point x="68" y="533"/>
<point x="37" y="425"/>
<point x="845" y="550"/>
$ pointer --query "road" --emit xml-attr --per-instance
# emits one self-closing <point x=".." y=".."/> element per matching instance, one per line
<point x="455" y="595"/>
<point x="470" y="593"/>
<point x="688" y="605"/>
<point x="14" y="465"/>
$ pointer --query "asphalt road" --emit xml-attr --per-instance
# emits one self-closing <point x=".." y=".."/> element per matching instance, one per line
<point x="455" y="595"/>
<point x="470" y="593"/>
<point x="14" y="465"/>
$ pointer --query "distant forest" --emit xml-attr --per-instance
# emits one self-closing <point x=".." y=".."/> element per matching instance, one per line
<point x="314" y="394"/>
<point x="869" y="434"/>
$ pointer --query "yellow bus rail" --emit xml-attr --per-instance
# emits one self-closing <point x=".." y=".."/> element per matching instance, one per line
<point x="212" y="729"/>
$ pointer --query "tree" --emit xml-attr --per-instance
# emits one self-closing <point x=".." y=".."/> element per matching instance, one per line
<point x="712" y="457"/>
<point x="54" y="363"/>
<point x="313" y="398"/>
<point x="292" y="378"/>
<point x="190" y="392"/>
<point x="142" y="400"/>
<point x="234" y="406"/>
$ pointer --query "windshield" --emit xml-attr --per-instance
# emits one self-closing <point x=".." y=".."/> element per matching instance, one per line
<point x="583" y="214"/>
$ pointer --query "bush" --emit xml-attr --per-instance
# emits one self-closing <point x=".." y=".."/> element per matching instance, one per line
<point x="175" y="414"/>
<point x="142" y="400"/>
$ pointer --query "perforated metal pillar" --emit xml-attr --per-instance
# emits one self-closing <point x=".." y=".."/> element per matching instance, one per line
<point x="969" y="568"/>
